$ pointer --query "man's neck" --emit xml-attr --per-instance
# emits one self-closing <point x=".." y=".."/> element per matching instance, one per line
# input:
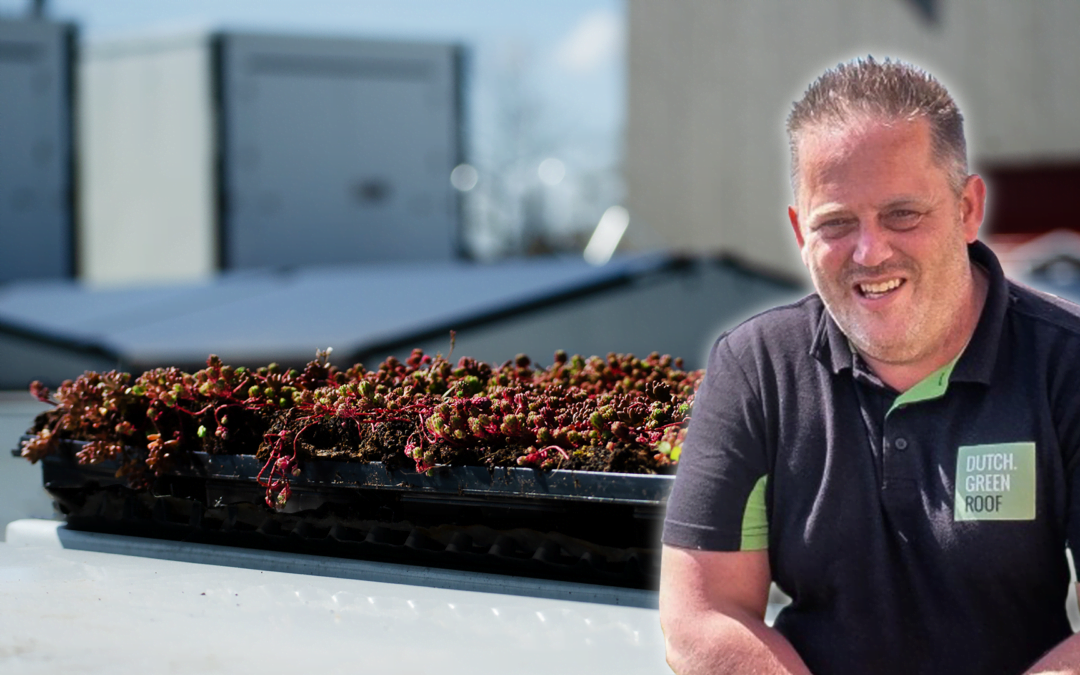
<point x="904" y="376"/>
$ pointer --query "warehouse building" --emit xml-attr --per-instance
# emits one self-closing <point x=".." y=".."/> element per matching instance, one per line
<point x="710" y="85"/>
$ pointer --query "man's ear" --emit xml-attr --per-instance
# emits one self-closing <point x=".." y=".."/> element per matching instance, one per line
<point x="793" y="216"/>
<point x="973" y="206"/>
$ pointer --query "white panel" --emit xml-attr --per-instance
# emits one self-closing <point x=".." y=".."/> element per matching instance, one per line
<point x="338" y="151"/>
<point x="147" y="165"/>
<point x="35" y="153"/>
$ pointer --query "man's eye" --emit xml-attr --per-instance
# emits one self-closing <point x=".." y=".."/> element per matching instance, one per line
<point x="902" y="218"/>
<point x="835" y="227"/>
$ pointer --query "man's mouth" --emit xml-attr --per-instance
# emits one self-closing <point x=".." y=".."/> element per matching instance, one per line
<point x="879" y="289"/>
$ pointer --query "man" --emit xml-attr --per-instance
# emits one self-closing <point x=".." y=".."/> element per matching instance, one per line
<point x="897" y="452"/>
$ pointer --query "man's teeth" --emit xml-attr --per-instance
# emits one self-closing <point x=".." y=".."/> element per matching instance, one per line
<point x="878" y="289"/>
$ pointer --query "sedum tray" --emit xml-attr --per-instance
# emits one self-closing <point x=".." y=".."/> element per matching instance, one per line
<point x="568" y="525"/>
<point x="560" y="471"/>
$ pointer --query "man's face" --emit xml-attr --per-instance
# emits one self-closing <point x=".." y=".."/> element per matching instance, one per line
<point x="885" y="237"/>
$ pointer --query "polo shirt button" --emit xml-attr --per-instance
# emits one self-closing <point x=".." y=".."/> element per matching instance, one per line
<point x="901" y="444"/>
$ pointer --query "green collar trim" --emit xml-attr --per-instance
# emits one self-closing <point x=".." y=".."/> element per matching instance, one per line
<point x="929" y="388"/>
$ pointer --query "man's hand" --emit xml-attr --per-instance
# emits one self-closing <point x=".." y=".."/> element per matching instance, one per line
<point x="1061" y="660"/>
<point x="712" y="610"/>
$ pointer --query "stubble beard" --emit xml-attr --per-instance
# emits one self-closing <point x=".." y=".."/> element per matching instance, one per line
<point x="935" y="311"/>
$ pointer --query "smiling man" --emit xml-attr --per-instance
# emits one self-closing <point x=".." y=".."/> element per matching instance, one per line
<point x="898" y="451"/>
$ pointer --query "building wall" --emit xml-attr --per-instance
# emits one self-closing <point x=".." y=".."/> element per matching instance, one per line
<point x="710" y="85"/>
<point x="36" y="217"/>
<point x="209" y="151"/>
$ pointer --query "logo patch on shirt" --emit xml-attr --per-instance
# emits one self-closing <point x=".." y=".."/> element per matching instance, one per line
<point x="995" y="482"/>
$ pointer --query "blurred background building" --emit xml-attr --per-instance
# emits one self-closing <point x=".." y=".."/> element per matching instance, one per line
<point x="235" y="151"/>
<point x="262" y="179"/>
<point x="37" y="215"/>
<point x="711" y="83"/>
<point x="267" y="180"/>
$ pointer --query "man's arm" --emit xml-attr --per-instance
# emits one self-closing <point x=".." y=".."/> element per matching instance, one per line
<point x="712" y="610"/>
<point x="1061" y="660"/>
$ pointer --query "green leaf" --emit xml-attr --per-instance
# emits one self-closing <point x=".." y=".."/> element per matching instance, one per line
<point x="675" y="452"/>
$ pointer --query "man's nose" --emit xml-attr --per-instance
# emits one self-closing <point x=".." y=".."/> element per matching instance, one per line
<point x="872" y="247"/>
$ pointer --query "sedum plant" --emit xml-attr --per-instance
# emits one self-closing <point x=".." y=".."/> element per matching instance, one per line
<point x="617" y="413"/>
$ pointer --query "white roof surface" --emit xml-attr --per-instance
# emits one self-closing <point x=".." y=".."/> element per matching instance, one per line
<point x="77" y="611"/>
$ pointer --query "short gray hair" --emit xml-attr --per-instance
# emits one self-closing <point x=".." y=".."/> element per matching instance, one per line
<point x="888" y="90"/>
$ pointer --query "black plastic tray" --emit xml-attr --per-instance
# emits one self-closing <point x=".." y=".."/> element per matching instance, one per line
<point x="587" y="486"/>
<point x="582" y="526"/>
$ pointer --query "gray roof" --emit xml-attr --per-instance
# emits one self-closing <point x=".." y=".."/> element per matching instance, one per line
<point x="266" y="315"/>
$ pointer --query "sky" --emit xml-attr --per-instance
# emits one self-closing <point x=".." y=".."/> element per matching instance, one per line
<point x="562" y="61"/>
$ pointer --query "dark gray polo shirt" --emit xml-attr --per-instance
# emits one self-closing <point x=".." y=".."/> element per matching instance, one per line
<point x="916" y="533"/>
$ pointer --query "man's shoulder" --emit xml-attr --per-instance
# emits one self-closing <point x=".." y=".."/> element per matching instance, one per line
<point x="1044" y="311"/>
<point x="780" y="329"/>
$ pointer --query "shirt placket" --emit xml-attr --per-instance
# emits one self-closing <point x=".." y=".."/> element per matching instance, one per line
<point x="899" y="487"/>
<point x="892" y="444"/>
